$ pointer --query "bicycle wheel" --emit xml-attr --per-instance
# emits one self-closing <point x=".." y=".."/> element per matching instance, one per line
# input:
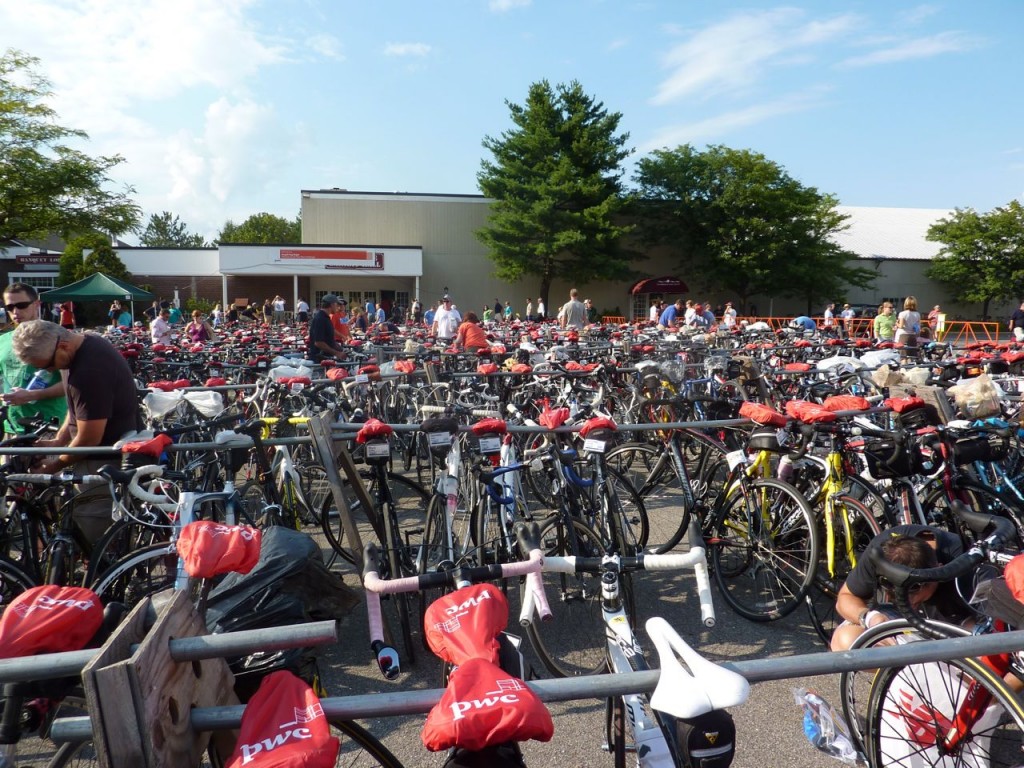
<point x="855" y="686"/>
<point x="821" y="599"/>
<point x="622" y="514"/>
<point x="978" y="498"/>
<point x="138" y="575"/>
<point x="411" y="500"/>
<point x="121" y="539"/>
<point x="764" y="549"/>
<point x="13" y="581"/>
<point x="913" y="710"/>
<point x="648" y="469"/>
<point x="573" y="641"/>
<point x="495" y="542"/>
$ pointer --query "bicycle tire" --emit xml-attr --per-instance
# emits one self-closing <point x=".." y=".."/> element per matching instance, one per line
<point x="764" y="559"/>
<point x="138" y="575"/>
<point x="13" y="581"/>
<point x="996" y="737"/>
<point x="489" y="536"/>
<point x="627" y="523"/>
<point x="573" y="642"/>
<point x="855" y="686"/>
<point x="821" y="598"/>
<point x="121" y="539"/>
<point x="411" y="500"/>
<point x="979" y="498"/>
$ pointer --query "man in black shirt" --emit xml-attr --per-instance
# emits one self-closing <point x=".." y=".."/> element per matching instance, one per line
<point x="1017" y="323"/>
<point x="915" y="546"/>
<point x="321" y="330"/>
<point x="103" y="405"/>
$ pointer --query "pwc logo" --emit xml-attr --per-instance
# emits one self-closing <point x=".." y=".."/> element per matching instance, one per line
<point x="506" y="694"/>
<point x="47" y="603"/>
<point x="455" y="612"/>
<point x="288" y="733"/>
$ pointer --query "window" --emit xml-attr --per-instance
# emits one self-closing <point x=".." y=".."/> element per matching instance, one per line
<point x="355" y="298"/>
<point x="44" y="281"/>
<point x="318" y="296"/>
<point x="402" y="299"/>
<point x="369" y="296"/>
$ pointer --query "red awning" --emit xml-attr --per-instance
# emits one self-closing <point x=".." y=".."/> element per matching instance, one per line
<point x="659" y="285"/>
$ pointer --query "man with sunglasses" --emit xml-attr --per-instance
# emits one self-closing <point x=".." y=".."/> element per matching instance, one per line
<point x="21" y="302"/>
<point x="103" y="406"/>
<point x="915" y="546"/>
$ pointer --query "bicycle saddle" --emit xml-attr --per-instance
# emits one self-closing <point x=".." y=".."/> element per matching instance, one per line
<point x="687" y="693"/>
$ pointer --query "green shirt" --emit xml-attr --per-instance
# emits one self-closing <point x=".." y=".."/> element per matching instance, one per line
<point x="885" y="326"/>
<point x="18" y="374"/>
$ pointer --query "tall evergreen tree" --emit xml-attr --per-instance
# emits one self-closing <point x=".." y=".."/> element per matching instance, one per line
<point x="164" y="230"/>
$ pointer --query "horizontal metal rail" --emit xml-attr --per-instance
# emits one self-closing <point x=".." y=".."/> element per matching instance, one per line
<point x="603" y="686"/>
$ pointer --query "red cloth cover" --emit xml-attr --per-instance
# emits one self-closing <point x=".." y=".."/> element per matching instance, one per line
<point x="369" y="369"/>
<point x="216" y="381"/>
<point x="152" y="447"/>
<point x="521" y="368"/>
<point x="405" y="366"/>
<point x="797" y="367"/>
<point x="210" y="549"/>
<point x="49" y="619"/>
<point x="490" y="427"/>
<point x="801" y="343"/>
<point x="903" y="404"/>
<point x="486" y="369"/>
<point x="180" y="384"/>
<point x="845" y="403"/>
<point x="552" y="419"/>
<point x="373" y="428"/>
<point x="162" y="385"/>
<point x="483" y="706"/>
<point x="465" y="624"/>
<point x="572" y="365"/>
<point x="809" y="413"/>
<point x="284" y="726"/>
<point x="337" y="374"/>
<point x="762" y="414"/>
<point x="597" y="422"/>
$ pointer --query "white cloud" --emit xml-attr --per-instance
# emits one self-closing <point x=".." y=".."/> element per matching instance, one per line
<point x="406" y="49"/>
<point x="327" y="46"/>
<point x="918" y="14"/>
<point x="713" y="128"/>
<point x="615" y="45"/>
<point x="501" y="6"/>
<point x="919" y="48"/>
<point x="733" y="55"/>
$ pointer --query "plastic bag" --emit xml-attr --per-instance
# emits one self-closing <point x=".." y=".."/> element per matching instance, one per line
<point x="977" y="398"/>
<point x="884" y="376"/>
<point x="826" y="729"/>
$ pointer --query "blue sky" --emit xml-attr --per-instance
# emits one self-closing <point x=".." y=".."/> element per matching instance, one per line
<point x="224" y="108"/>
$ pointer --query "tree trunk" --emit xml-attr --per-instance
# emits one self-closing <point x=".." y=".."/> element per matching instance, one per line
<point x="984" y="309"/>
<point x="545" y="288"/>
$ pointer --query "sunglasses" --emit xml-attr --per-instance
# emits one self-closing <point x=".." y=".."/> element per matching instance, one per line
<point x="18" y="305"/>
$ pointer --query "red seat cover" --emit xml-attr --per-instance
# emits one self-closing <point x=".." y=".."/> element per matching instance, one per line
<point x="489" y="427"/>
<point x="405" y="366"/>
<point x="762" y="414"/>
<point x="210" y="549"/>
<point x="152" y="447"/>
<point x="521" y="368"/>
<point x="284" y="726"/>
<point x="49" y="619"/>
<point x="486" y="369"/>
<point x="373" y="428"/>
<point x="465" y="624"/>
<point x="336" y="374"/>
<point x="797" y="367"/>
<point x="903" y="404"/>
<point x="598" y="422"/>
<point x="215" y="381"/>
<point x="846" y="403"/>
<point x="552" y="419"/>
<point x="809" y="413"/>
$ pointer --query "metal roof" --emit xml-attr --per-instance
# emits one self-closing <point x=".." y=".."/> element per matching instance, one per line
<point x="890" y="233"/>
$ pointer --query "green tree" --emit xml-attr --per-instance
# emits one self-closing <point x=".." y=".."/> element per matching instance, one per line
<point x="262" y="228"/>
<point x="982" y="255"/>
<point x="102" y="258"/>
<point x="45" y="186"/>
<point x="556" y="182"/>
<point x="163" y="231"/>
<point x="739" y="221"/>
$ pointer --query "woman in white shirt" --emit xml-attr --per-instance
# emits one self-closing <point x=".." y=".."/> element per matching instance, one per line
<point x="655" y="312"/>
<point x="908" y="323"/>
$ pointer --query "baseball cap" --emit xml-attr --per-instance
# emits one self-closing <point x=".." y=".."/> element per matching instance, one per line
<point x="446" y="297"/>
<point x="329" y="298"/>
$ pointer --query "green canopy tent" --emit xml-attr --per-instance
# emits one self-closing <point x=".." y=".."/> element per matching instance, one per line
<point x="97" y="287"/>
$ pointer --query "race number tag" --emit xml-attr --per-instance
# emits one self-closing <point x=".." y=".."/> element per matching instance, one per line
<point x="297" y="387"/>
<point x="593" y="446"/>
<point x="378" y="450"/>
<point x="736" y="458"/>
<point x="782" y="436"/>
<point x="438" y="439"/>
<point x="491" y="444"/>
<point x="360" y="378"/>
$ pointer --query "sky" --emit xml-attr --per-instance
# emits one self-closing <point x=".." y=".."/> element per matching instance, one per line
<point x="226" y="108"/>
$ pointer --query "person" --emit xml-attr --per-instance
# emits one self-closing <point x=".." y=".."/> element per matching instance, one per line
<point x="381" y="316"/>
<point x="689" y="312"/>
<point x="321" y="331"/>
<point x="417" y="311"/>
<point x="114" y="312"/>
<point x="102" y="407"/>
<point x="499" y="311"/>
<point x="67" y="316"/>
<point x="428" y="316"/>
<point x="669" y="317"/>
<point x="124" y="320"/>
<point x="340" y="322"/>
<point x="267" y="311"/>
<point x="540" y="310"/>
<point x="654" y="311"/>
<point x="1017" y="323"/>
<point x="199" y="330"/>
<point x="359" y="321"/>
<point x="908" y="323"/>
<point x="233" y="313"/>
<point x="828" y="322"/>
<point x="508" y="312"/>
<point x="302" y="311"/>
<point x="847" y="315"/>
<point x="152" y="311"/>
<point x="471" y="336"/>
<point x="529" y="310"/>
<point x="446" y="320"/>
<point x="21" y="302"/>
<point x="708" y="315"/>
<point x="729" y="316"/>
<point x="591" y="311"/>
<point x="884" y="325"/>
<point x="573" y="313"/>
<point x="250" y="312"/>
<point x="279" y="307"/>
<point x="933" y="321"/>
<point x="160" y="329"/>
<point x="699" y="319"/>
<point x="803" y="323"/>
<point x="915" y="546"/>
<point x="217" y="315"/>
<point x="371" y="309"/>
<point x="488" y="314"/>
